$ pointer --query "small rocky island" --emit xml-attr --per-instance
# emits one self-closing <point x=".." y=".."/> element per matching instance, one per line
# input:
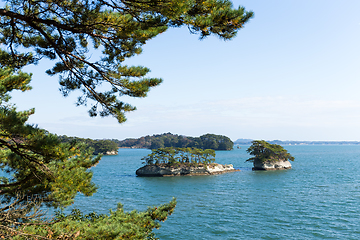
<point x="272" y="165"/>
<point x="269" y="156"/>
<point x="184" y="170"/>
<point x="165" y="162"/>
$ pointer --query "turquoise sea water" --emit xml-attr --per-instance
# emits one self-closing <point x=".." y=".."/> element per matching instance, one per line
<point x="318" y="199"/>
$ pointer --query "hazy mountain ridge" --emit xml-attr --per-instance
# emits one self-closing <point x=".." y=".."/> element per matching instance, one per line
<point x="243" y="141"/>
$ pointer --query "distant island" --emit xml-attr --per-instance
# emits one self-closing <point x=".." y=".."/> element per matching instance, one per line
<point x="267" y="156"/>
<point x="169" y="161"/>
<point x="243" y="141"/>
<point x="207" y="141"/>
<point x="110" y="146"/>
<point x="100" y="146"/>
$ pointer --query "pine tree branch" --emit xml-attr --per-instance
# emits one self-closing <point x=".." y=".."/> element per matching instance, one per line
<point x="15" y="183"/>
<point x="68" y="27"/>
<point x="17" y="151"/>
<point x="59" y="53"/>
<point x="19" y="233"/>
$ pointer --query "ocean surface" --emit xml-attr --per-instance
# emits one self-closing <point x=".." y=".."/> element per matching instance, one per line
<point x="319" y="198"/>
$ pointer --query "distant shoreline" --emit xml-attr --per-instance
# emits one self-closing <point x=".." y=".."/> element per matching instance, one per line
<point x="133" y="147"/>
<point x="241" y="142"/>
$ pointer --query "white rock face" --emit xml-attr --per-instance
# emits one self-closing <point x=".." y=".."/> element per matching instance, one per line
<point x="111" y="153"/>
<point x="273" y="165"/>
<point x="160" y="171"/>
<point x="220" y="168"/>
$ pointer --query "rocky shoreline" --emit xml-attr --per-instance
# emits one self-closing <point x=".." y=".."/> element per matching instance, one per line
<point x="272" y="165"/>
<point x="185" y="170"/>
<point x="111" y="152"/>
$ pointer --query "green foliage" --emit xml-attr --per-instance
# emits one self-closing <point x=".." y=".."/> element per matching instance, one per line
<point x="36" y="162"/>
<point x="173" y="156"/>
<point x="70" y="32"/>
<point x="217" y="142"/>
<point x="207" y="141"/>
<point x="10" y="81"/>
<point x="117" y="225"/>
<point x="99" y="146"/>
<point x="38" y="169"/>
<point x="266" y="152"/>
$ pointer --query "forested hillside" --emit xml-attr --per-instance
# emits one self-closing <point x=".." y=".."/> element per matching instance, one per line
<point x="207" y="141"/>
<point x="100" y="146"/>
<point x="105" y="146"/>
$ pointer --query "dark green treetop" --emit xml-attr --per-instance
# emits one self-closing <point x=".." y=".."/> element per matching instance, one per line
<point x="118" y="224"/>
<point x="207" y="141"/>
<point x="37" y="163"/>
<point x="218" y="142"/>
<point x="264" y="151"/>
<point x="100" y="146"/>
<point x="172" y="156"/>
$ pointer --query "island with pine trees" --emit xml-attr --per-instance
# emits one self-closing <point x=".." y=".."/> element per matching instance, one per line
<point x="267" y="156"/>
<point x="99" y="146"/>
<point x="111" y="146"/>
<point x="206" y="141"/>
<point x="170" y="161"/>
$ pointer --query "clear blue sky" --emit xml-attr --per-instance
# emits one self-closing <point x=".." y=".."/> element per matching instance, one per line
<point x="293" y="73"/>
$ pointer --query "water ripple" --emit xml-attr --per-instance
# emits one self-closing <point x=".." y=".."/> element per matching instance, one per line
<point x="314" y="200"/>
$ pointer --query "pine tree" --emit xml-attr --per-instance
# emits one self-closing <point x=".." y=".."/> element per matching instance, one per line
<point x="173" y="156"/>
<point x="69" y="32"/>
<point x="263" y="151"/>
<point x="37" y="169"/>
